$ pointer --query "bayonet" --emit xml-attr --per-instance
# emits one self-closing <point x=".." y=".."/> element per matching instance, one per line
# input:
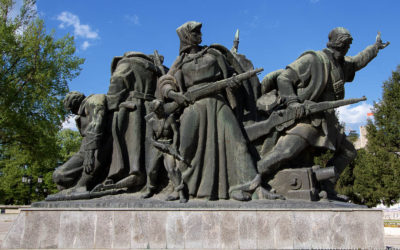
<point x="158" y="63"/>
<point x="235" y="46"/>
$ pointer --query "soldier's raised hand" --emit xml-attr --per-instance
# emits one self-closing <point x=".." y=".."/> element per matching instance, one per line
<point x="379" y="44"/>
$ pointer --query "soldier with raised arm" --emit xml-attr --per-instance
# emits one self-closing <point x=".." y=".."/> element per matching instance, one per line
<point x="317" y="76"/>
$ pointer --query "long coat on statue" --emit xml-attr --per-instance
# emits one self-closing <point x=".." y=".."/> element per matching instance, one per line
<point x="134" y="79"/>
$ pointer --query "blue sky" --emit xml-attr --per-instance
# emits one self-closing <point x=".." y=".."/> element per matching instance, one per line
<point x="272" y="34"/>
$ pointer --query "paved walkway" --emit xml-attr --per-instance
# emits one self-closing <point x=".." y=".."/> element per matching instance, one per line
<point x="6" y="221"/>
<point x="392" y="241"/>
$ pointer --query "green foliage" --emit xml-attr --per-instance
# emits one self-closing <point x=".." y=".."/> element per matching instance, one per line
<point x="353" y="136"/>
<point x="374" y="176"/>
<point x="35" y="70"/>
<point x="384" y="132"/>
<point x="69" y="142"/>
<point x="323" y="158"/>
<point x="13" y="191"/>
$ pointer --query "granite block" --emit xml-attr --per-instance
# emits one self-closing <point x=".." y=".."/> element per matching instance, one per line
<point x="247" y="230"/>
<point x="283" y="229"/>
<point x="140" y="230"/>
<point x="121" y="227"/>
<point x="196" y="229"/>
<point x="303" y="229"/>
<point x="265" y="229"/>
<point x="321" y="229"/>
<point x="229" y="230"/>
<point x="193" y="223"/>
<point x="48" y="229"/>
<point x="14" y="236"/>
<point x="104" y="230"/>
<point x="157" y="237"/>
<point x="175" y="230"/>
<point x="69" y="225"/>
<point x="211" y="230"/>
<point x="31" y="236"/>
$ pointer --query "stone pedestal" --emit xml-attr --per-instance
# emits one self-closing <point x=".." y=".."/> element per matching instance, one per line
<point x="226" y="226"/>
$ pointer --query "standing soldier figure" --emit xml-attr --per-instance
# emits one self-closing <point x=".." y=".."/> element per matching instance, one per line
<point x="163" y="129"/>
<point x="132" y="87"/>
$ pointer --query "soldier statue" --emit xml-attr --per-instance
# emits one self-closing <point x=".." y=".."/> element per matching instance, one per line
<point x="90" y="164"/>
<point x="317" y="76"/>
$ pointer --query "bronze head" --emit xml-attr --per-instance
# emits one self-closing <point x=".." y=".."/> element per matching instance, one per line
<point x="340" y="40"/>
<point x="73" y="101"/>
<point x="189" y="35"/>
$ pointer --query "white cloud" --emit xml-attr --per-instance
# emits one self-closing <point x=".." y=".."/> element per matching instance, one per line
<point x="69" y="123"/>
<point x="85" y="45"/>
<point x="354" y="114"/>
<point x="80" y="30"/>
<point x="133" y="19"/>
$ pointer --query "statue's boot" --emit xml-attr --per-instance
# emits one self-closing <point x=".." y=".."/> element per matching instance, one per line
<point x="329" y="187"/>
<point x="178" y="193"/>
<point x="243" y="192"/>
<point x="173" y="196"/>
<point x="131" y="181"/>
<point x="79" y="189"/>
<point x="182" y="196"/>
<point x="149" y="193"/>
<point x="240" y="195"/>
<point x="74" y="193"/>
<point x="263" y="194"/>
<point x="249" y="186"/>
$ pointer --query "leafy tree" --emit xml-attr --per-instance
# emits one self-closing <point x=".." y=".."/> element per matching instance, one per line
<point x="374" y="176"/>
<point x="35" y="70"/>
<point x="69" y="142"/>
<point x="13" y="191"/>
<point x="353" y="136"/>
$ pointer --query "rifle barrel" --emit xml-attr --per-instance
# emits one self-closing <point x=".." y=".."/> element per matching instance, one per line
<point x="258" y="129"/>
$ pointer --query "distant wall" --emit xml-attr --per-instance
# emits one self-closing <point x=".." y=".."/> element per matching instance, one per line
<point x="11" y="209"/>
<point x="391" y="221"/>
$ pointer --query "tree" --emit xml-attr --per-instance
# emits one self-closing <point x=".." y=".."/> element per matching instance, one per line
<point x="69" y="142"/>
<point x="13" y="191"/>
<point x="374" y="176"/>
<point x="35" y="70"/>
<point x="353" y="136"/>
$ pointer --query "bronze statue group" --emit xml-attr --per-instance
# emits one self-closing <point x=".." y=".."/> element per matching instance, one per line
<point x="209" y="126"/>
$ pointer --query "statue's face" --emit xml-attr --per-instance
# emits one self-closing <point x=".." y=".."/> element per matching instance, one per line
<point x="195" y="36"/>
<point x="74" y="109"/>
<point x="344" y="49"/>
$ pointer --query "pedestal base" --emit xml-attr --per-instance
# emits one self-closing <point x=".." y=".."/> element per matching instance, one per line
<point x="197" y="228"/>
